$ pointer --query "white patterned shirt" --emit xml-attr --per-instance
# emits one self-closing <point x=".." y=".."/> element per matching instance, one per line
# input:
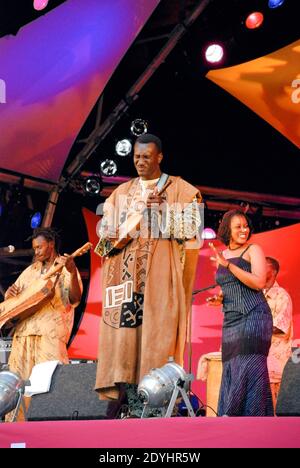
<point x="282" y="312"/>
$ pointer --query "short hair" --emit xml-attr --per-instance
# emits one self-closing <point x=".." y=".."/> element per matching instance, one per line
<point x="149" y="138"/>
<point x="274" y="263"/>
<point x="50" y="234"/>
<point x="224" y="231"/>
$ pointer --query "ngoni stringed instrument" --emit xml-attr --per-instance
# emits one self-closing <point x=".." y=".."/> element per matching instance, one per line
<point x="126" y="231"/>
<point x="33" y="298"/>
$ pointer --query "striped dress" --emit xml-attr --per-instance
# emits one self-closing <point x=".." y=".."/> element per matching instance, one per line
<point x="246" y="339"/>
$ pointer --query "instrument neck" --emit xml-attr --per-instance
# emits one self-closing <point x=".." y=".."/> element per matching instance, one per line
<point x="47" y="264"/>
<point x="55" y="269"/>
<point x="50" y="266"/>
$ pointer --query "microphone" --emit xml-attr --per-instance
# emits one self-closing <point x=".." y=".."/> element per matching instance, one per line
<point x="8" y="249"/>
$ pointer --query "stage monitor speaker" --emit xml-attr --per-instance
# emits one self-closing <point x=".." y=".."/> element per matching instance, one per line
<point x="288" y="402"/>
<point x="72" y="396"/>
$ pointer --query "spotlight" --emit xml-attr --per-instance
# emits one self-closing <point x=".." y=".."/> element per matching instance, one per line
<point x="208" y="233"/>
<point x="40" y="4"/>
<point x="161" y="386"/>
<point x="214" y="53"/>
<point x="275" y="3"/>
<point x="9" y="249"/>
<point x="123" y="147"/>
<point x="138" y="127"/>
<point x="93" y="185"/>
<point x="254" y="20"/>
<point x="11" y="391"/>
<point x="36" y="219"/>
<point x="108" y="167"/>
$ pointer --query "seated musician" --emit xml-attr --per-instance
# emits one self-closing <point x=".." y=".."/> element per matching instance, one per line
<point x="44" y="335"/>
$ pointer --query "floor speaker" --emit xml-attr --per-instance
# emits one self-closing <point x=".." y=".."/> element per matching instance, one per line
<point x="72" y="396"/>
<point x="288" y="402"/>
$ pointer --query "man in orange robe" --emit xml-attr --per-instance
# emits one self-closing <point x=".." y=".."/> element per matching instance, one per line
<point x="147" y="284"/>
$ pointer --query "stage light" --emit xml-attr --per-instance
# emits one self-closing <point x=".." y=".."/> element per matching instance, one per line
<point x="208" y="233"/>
<point x="254" y="20"/>
<point x="123" y="147"/>
<point x="11" y="391"/>
<point x="108" y="167"/>
<point x="36" y="219"/>
<point x="138" y="127"/>
<point x="275" y="3"/>
<point x="214" y="53"/>
<point x="40" y="4"/>
<point x="161" y="386"/>
<point x="5" y="250"/>
<point x="93" y="185"/>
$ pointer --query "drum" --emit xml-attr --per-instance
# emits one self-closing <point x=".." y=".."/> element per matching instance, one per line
<point x="213" y="376"/>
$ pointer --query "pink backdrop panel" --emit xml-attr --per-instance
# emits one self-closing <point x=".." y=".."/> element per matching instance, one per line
<point x="206" y="321"/>
<point x="85" y="343"/>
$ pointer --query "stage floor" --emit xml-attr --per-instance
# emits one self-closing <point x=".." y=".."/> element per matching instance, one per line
<point x="179" y="432"/>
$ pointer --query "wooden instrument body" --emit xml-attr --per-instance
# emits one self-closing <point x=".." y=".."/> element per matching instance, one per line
<point x="35" y="296"/>
<point x="27" y="302"/>
<point x="127" y="231"/>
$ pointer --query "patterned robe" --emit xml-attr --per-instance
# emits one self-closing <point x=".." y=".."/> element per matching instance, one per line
<point x="44" y="335"/>
<point x="147" y="285"/>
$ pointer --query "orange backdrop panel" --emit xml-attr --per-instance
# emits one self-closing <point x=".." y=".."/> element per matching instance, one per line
<point x="270" y="86"/>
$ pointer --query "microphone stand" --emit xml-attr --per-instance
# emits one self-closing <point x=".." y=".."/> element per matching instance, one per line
<point x="197" y="291"/>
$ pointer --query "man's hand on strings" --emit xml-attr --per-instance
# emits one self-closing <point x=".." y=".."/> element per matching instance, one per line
<point x="67" y="261"/>
<point x="154" y="198"/>
<point x="13" y="291"/>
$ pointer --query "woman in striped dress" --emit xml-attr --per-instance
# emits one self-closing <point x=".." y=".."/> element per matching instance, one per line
<point x="247" y="327"/>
